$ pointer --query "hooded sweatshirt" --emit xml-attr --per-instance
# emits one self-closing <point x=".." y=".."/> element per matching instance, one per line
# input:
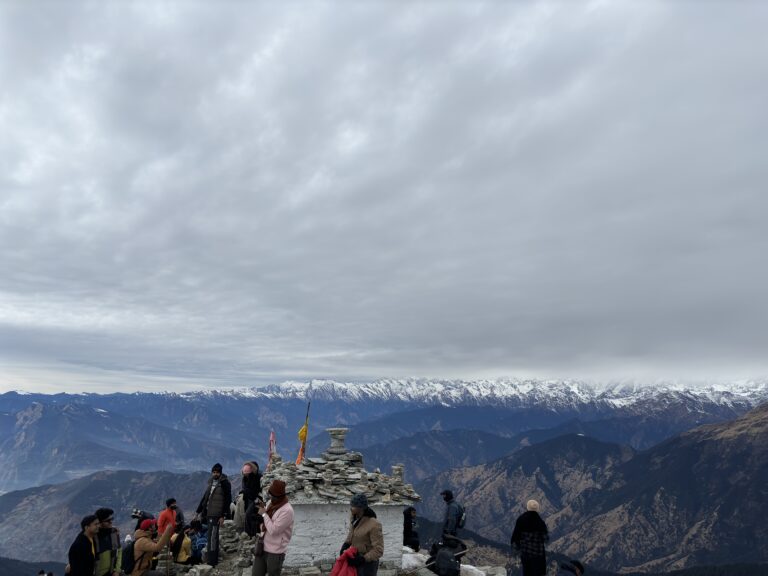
<point x="144" y="548"/>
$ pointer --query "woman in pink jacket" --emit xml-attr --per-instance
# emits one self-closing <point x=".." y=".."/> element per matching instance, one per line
<point x="278" y="529"/>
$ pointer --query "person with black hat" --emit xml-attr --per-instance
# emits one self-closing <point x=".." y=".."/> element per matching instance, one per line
<point x="277" y="530"/>
<point x="452" y="513"/>
<point x="109" y="552"/>
<point x="214" y="505"/>
<point x="366" y="535"/>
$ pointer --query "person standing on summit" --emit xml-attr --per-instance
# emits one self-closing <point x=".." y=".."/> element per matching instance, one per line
<point x="528" y="538"/>
<point x="167" y="516"/>
<point x="277" y="531"/>
<point x="251" y="495"/>
<point x="214" y="505"/>
<point x="452" y="514"/>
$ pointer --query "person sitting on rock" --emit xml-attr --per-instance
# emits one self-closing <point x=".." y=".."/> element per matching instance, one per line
<point x="198" y="537"/>
<point x="145" y="547"/>
<point x="181" y="546"/>
<point x="366" y="535"/>
<point x="410" y="536"/>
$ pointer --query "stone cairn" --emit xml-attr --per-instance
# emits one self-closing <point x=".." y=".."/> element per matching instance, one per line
<point x="337" y="475"/>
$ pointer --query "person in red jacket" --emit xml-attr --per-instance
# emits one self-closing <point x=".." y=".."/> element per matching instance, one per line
<point x="167" y="516"/>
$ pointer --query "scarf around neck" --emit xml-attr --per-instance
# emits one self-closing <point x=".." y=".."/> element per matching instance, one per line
<point x="274" y="506"/>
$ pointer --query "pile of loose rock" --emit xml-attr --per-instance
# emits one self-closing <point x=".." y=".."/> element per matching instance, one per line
<point x="337" y="475"/>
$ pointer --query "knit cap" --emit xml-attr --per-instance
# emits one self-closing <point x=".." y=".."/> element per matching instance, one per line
<point x="359" y="501"/>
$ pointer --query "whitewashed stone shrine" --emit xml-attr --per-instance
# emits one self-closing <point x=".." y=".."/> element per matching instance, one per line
<point x="319" y="489"/>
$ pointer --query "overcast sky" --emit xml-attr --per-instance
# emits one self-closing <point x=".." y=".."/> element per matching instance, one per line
<point x="228" y="194"/>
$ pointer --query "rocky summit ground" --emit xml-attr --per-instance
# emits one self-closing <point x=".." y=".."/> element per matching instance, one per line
<point x="236" y="559"/>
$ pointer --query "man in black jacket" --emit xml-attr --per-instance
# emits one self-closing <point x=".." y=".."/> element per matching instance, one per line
<point x="528" y="538"/>
<point x="214" y="505"/>
<point x="82" y="553"/>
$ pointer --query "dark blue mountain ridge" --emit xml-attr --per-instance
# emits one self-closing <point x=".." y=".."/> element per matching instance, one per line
<point x="699" y="498"/>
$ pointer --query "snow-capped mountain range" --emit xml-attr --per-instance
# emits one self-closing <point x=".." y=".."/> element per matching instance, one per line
<point x="510" y="392"/>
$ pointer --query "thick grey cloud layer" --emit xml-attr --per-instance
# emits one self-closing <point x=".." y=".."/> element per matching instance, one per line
<point x="197" y="193"/>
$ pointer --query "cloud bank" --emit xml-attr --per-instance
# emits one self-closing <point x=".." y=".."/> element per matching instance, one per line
<point x="198" y="194"/>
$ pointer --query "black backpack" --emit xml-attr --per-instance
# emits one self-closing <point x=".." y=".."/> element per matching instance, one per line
<point x="446" y="563"/>
<point x="128" y="560"/>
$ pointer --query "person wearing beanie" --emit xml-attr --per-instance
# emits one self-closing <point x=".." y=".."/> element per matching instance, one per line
<point x="277" y="530"/>
<point x="528" y="539"/>
<point x="82" y="552"/>
<point x="145" y="547"/>
<point x="365" y="534"/>
<point x="214" y="505"/>
<point x="109" y="552"/>
<point x="167" y="516"/>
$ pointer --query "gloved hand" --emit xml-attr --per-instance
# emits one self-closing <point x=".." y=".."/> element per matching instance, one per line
<point x="356" y="560"/>
<point x="344" y="547"/>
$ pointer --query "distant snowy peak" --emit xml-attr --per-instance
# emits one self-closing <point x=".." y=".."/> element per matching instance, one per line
<point x="523" y="393"/>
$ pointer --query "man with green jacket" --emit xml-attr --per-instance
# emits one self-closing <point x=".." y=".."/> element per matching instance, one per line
<point x="109" y="552"/>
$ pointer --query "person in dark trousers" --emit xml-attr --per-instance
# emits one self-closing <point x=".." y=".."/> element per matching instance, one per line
<point x="365" y="534"/>
<point x="82" y="552"/>
<point x="214" y="506"/>
<point x="528" y="539"/>
<point x="451" y="519"/>
<point x="410" y="536"/>
<point x="109" y="551"/>
<point x="251" y="496"/>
